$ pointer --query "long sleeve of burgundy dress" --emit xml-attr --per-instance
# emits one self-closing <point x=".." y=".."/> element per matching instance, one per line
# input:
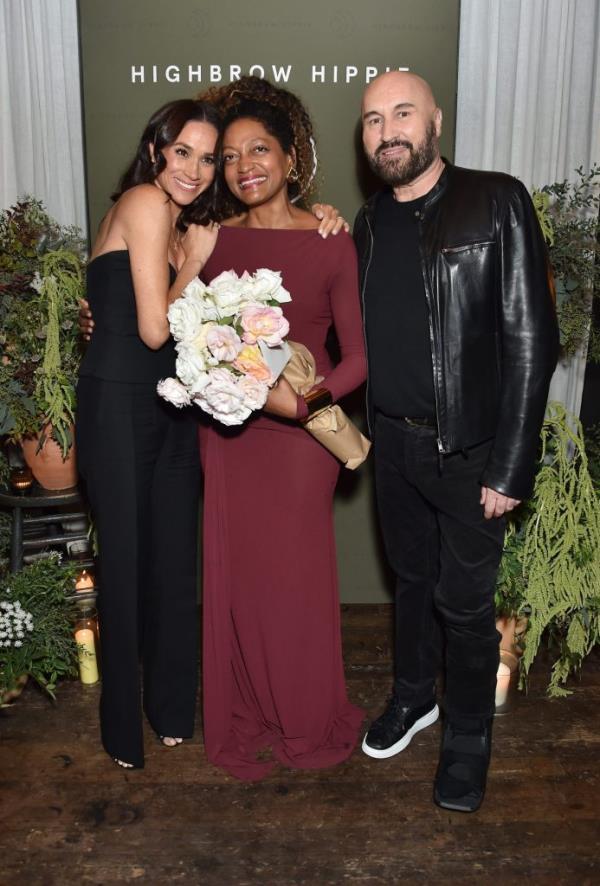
<point x="272" y="664"/>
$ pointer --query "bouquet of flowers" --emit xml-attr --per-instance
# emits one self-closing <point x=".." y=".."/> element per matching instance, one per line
<point x="230" y="344"/>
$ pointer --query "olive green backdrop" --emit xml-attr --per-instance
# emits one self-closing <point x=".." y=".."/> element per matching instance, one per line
<point x="138" y="54"/>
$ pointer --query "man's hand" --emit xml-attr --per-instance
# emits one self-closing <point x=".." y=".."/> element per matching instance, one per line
<point x="331" y="221"/>
<point x="495" y="504"/>
<point x="85" y="322"/>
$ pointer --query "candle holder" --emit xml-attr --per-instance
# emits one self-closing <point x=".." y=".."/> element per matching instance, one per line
<point x="86" y="636"/>
<point x="21" y="479"/>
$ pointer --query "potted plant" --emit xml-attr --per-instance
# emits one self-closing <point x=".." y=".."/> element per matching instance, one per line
<point x="41" y="280"/>
<point x="568" y="213"/>
<point x="36" y="627"/>
<point x="551" y="569"/>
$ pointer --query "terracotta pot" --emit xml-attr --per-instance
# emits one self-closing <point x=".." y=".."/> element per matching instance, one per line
<point x="512" y="630"/>
<point x="12" y="694"/>
<point x="48" y="466"/>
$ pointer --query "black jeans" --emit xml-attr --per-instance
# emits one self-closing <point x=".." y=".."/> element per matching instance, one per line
<point x="445" y="555"/>
<point x="140" y="460"/>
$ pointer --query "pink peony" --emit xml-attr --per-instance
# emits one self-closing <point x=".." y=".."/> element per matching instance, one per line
<point x="265" y="323"/>
<point x="224" y="343"/>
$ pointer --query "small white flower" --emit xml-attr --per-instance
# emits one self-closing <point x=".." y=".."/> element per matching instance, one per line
<point x="37" y="282"/>
<point x="18" y="643"/>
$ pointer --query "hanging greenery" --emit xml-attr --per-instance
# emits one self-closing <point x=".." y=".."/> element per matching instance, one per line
<point x="41" y="280"/>
<point x="568" y="213"/>
<point x="551" y="568"/>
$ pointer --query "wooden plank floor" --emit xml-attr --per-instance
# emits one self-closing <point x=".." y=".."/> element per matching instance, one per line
<point x="70" y="816"/>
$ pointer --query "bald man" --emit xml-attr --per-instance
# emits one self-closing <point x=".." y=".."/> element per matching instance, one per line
<point x="461" y="342"/>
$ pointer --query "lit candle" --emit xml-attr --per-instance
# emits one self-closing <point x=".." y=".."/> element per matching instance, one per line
<point x="502" y="684"/>
<point x="21" y="479"/>
<point x="86" y="653"/>
<point x="84" y="582"/>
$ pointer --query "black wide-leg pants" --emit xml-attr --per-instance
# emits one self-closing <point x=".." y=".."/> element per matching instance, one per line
<point x="139" y="459"/>
<point x="445" y="556"/>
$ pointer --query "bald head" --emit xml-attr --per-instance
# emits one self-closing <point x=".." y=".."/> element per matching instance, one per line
<point x="399" y="86"/>
<point x="401" y="128"/>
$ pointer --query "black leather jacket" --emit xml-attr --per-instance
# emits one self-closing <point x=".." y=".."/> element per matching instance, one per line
<point x="492" y="323"/>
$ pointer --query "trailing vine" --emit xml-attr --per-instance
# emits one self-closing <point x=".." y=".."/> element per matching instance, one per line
<point x="560" y="552"/>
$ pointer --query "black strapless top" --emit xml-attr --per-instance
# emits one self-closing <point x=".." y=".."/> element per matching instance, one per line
<point x="116" y="351"/>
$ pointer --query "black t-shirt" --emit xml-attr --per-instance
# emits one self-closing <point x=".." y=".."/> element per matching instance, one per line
<point x="396" y="314"/>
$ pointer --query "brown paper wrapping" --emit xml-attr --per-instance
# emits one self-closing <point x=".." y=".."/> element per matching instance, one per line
<point x="331" y="427"/>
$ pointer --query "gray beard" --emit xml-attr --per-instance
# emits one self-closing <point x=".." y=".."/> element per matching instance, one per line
<point x="403" y="172"/>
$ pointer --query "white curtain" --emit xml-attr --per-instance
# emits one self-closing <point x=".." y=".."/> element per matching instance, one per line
<point x="529" y="103"/>
<point x="41" y="144"/>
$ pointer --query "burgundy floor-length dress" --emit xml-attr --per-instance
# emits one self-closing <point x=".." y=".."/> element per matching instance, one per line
<point x="273" y="675"/>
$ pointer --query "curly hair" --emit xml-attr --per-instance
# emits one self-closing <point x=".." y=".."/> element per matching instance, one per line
<point x="284" y="117"/>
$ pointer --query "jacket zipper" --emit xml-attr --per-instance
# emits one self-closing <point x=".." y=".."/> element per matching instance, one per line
<point x="434" y="360"/>
<point x="362" y="298"/>
<point x="452" y="250"/>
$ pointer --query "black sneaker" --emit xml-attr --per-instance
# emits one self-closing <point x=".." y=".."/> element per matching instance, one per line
<point x="462" y="772"/>
<point x="393" y="731"/>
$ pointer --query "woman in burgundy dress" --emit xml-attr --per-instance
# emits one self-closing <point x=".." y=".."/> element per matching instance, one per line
<point x="273" y="671"/>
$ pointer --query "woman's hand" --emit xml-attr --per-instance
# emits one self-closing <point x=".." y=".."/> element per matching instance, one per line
<point x="85" y="321"/>
<point x="282" y="400"/>
<point x="331" y="221"/>
<point x="199" y="241"/>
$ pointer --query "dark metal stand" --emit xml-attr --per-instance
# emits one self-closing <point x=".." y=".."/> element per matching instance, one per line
<point x="34" y="499"/>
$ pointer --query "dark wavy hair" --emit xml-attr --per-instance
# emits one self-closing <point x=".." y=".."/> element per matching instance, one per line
<point x="284" y="117"/>
<point x="162" y="129"/>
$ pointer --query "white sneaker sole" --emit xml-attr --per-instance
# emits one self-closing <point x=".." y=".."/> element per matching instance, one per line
<point x="422" y="723"/>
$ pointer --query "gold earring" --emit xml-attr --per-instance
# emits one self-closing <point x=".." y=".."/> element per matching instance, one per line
<point x="292" y="175"/>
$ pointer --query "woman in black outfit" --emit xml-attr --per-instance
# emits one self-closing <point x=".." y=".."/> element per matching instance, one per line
<point x="137" y="454"/>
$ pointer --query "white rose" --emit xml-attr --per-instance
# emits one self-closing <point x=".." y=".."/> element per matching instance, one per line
<point x="191" y="369"/>
<point x="268" y="286"/>
<point x="224" y="343"/>
<point x="199" y="343"/>
<point x="172" y="390"/>
<point x="223" y="399"/>
<point x="195" y="290"/>
<point x="185" y="317"/>
<point x="227" y="290"/>
<point x="255" y="392"/>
